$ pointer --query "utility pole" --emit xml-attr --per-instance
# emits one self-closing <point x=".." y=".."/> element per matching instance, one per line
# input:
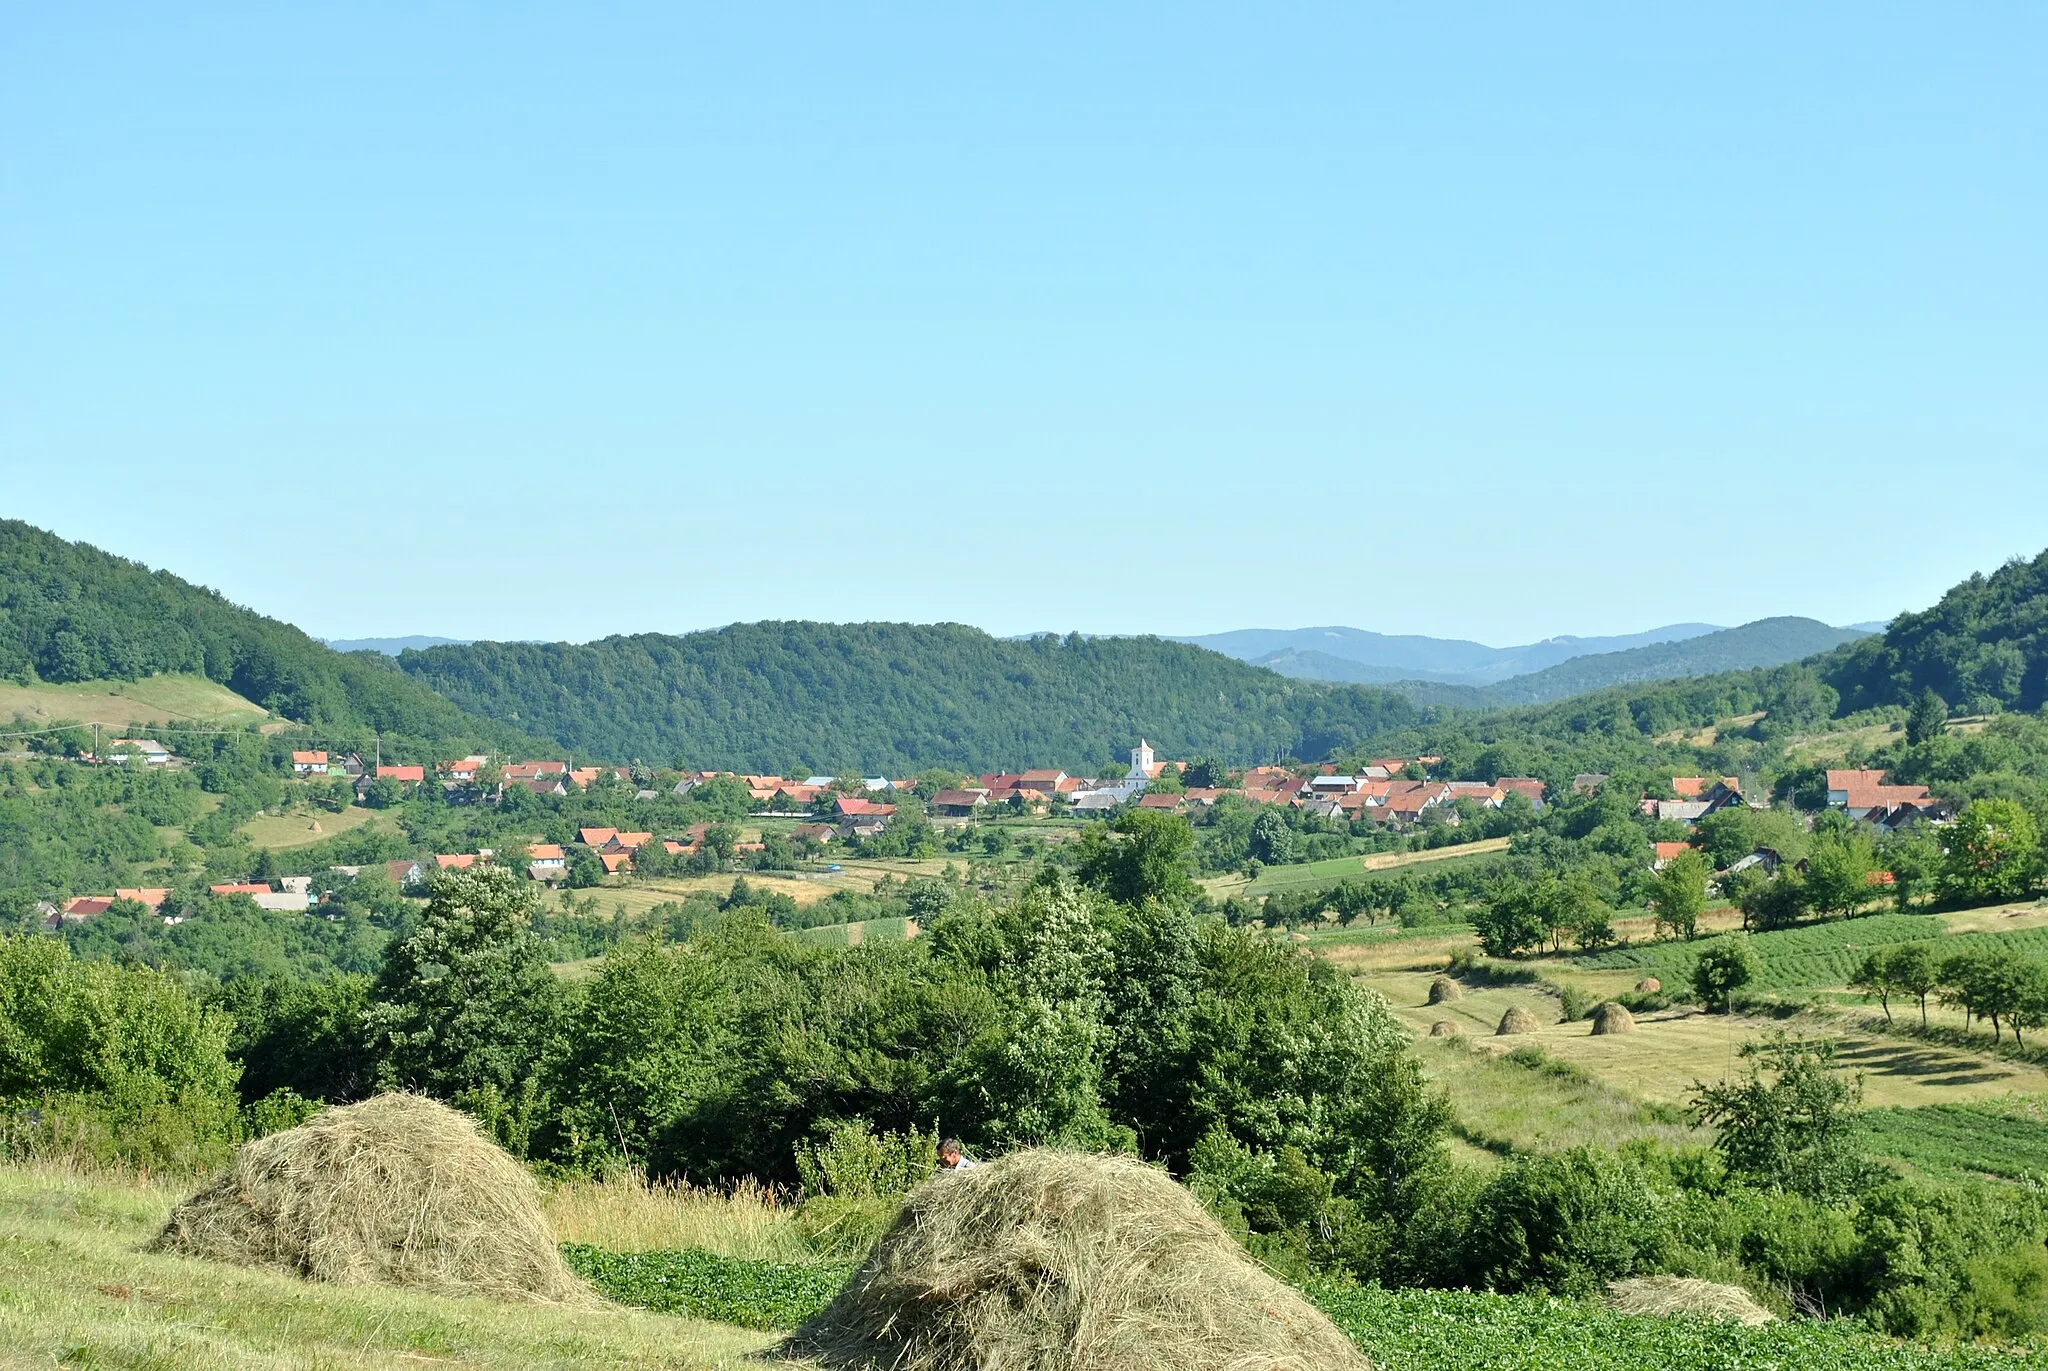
<point x="95" y="743"/>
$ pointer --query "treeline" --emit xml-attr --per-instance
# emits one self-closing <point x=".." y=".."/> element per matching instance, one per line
<point x="900" y="697"/>
<point x="70" y="612"/>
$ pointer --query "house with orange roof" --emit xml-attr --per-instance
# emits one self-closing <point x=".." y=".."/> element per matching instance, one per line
<point x="240" y="888"/>
<point x="1044" y="781"/>
<point x="1528" y="787"/>
<point x="151" y="897"/>
<point x="1663" y="852"/>
<point x="461" y="769"/>
<point x="630" y="841"/>
<point x="455" y="861"/>
<point x="545" y="860"/>
<point x="408" y="774"/>
<point x="585" y="776"/>
<point x="596" y="837"/>
<point x="1869" y="796"/>
<point x="533" y="771"/>
<point x="309" y="763"/>
<point x="616" y="862"/>
<point x="87" y="907"/>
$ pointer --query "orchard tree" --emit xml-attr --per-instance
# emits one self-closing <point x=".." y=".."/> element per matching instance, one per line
<point x="1993" y="851"/>
<point x="1837" y="879"/>
<point x="1679" y="895"/>
<point x="1723" y="969"/>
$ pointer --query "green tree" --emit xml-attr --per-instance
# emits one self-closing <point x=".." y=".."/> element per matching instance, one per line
<point x="1993" y="851"/>
<point x="468" y="1002"/>
<point x="1272" y="841"/>
<point x="1679" y="895"/>
<point x="1144" y="855"/>
<point x="1874" y="977"/>
<point x="1915" y="971"/>
<point x="1723" y="969"/>
<point x="1512" y="917"/>
<point x="1786" y="1124"/>
<point x="1837" y="877"/>
<point x="1927" y="719"/>
<point x="1205" y="773"/>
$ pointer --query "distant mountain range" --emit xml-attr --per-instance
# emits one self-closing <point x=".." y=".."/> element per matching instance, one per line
<point x="1359" y="656"/>
<point x="1765" y="643"/>
<point x="391" y="647"/>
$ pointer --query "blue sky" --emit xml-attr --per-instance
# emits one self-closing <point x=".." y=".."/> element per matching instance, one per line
<point x="1493" y="321"/>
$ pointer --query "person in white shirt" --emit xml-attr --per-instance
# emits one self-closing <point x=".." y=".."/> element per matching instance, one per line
<point x="952" y="1159"/>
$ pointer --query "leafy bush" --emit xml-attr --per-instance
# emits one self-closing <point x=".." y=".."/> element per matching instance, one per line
<point x="853" y="1162"/>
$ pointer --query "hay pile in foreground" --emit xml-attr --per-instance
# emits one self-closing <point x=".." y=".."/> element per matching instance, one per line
<point x="1666" y="1296"/>
<point x="1058" y="1261"/>
<point x="1517" y="1020"/>
<point x="397" y="1190"/>
<point x="1443" y="990"/>
<point x="1445" y="1028"/>
<point x="1613" y="1018"/>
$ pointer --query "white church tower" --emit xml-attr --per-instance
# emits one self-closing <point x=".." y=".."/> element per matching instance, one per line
<point x="1141" y="764"/>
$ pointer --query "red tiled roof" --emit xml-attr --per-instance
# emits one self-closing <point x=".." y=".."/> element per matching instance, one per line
<point x="144" y="895"/>
<point x="1666" y="851"/>
<point x="1688" y="787"/>
<point x="85" y="906"/>
<point x="635" y="839"/>
<point x="240" y="888"/>
<point x="1042" y="777"/>
<point x="851" y="808"/>
<point x="545" y="852"/>
<point x="309" y="758"/>
<point x="596" y="837"/>
<point x="615" y="862"/>
<point x="401" y="773"/>
<point x="455" y="861"/>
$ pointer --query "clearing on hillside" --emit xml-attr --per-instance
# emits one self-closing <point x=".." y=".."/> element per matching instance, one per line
<point x="178" y="699"/>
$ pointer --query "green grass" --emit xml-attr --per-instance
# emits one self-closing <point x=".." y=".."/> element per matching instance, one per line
<point x="2004" y="1139"/>
<point x="1331" y="870"/>
<point x="890" y="930"/>
<point x="176" y="699"/>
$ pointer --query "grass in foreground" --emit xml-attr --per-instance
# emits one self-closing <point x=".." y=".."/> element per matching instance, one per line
<point x="76" y="1290"/>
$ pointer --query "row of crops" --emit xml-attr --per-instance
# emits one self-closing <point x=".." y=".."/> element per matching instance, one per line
<point x="1815" y="956"/>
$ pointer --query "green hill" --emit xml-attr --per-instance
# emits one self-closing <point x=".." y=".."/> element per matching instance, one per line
<point x="1983" y="648"/>
<point x="72" y="613"/>
<point x="899" y="697"/>
<point x="1765" y="643"/>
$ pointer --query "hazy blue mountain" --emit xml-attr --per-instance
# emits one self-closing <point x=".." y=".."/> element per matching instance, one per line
<point x="1767" y="642"/>
<point x="1335" y="653"/>
<point x="391" y="647"/>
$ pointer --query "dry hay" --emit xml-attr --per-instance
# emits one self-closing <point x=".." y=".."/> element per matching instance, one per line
<point x="1649" y="985"/>
<point x="1059" y="1261"/>
<point x="1517" y="1020"/>
<point x="1613" y="1018"/>
<point x="1666" y="1296"/>
<point x="1443" y="990"/>
<point x="397" y="1190"/>
<point x="1445" y="1028"/>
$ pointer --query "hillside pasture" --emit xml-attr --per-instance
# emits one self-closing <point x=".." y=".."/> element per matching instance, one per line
<point x="1331" y="870"/>
<point x="173" y="699"/>
<point x="297" y="829"/>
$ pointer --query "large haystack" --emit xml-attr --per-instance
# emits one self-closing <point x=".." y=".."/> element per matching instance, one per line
<point x="1666" y="1296"/>
<point x="1649" y="985"/>
<point x="1613" y="1018"/>
<point x="1445" y="1028"/>
<point x="1443" y="990"/>
<point x="397" y="1190"/>
<point x="1058" y="1261"/>
<point x="1517" y="1020"/>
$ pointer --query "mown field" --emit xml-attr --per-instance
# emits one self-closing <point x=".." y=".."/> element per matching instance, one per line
<point x="176" y="699"/>
<point x="1307" y="875"/>
<point x="80" y="1291"/>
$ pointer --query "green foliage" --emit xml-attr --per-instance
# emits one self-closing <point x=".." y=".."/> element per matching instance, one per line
<point x="901" y="697"/>
<point x="1143" y="855"/>
<point x="1566" y="1222"/>
<point x="2004" y="1139"/>
<point x="281" y="1109"/>
<point x="116" y="1063"/>
<point x="467" y="1002"/>
<point x="1722" y="969"/>
<point x="851" y="1161"/>
<point x="1679" y="896"/>
<point x="704" y="1285"/>
<point x="1993" y="851"/>
<point x="1785" y="1123"/>
<point x="1982" y="647"/>
<point x="1927" y="719"/>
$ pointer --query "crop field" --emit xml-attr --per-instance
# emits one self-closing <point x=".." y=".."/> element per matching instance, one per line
<point x="856" y="935"/>
<point x="1297" y="875"/>
<point x="175" y="699"/>
<point x="2003" y="1140"/>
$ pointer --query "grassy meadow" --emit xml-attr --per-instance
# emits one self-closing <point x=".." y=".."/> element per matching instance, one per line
<point x="175" y="699"/>
<point x="303" y="826"/>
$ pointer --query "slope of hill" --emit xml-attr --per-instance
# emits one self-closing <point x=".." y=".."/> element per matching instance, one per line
<point x="70" y="613"/>
<point x="1358" y="655"/>
<point x="768" y="696"/>
<point x="1767" y="642"/>
<point x="173" y="699"/>
<point x="1982" y="647"/>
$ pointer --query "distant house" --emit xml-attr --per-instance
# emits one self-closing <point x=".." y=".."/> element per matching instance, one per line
<point x="1171" y="804"/>
<point x="461" y="769"/>
<point x="309" y="763"/>
<point x="1480" y="793"/>
<point x="533" y="771"/>
<point x="1765" y="857"/>
<point x="596" y="837"/>
<point x="454" y="861"/>
<point x="240" y="888"/>
<point x="1045" y="782"/>
<point x="1683" y="811"/>
<point x="1528" y="787"/>
<point x="872" y="810"/>
<point x="152" y="752"/>
<point x="150" y="897"/>
<point x="616" y="862"/>
<point x="404" y="872"/>
<point x="1662" y="853"/>
<point x="1095" y="802"/>
<point x="820" y="833"/>
<point x="959" y="804"/>
<point x="1870" y="796"/>
<point x="405" y="775"/>
<point x="546" y="860"/>
<point x="87" y="907"/>
<point x="352" y="765"/>
<point x="546" y="785"/>
<point x="1586" y="782"/>
<point x="633" y="841"/>
<point x="1332" y="785"/>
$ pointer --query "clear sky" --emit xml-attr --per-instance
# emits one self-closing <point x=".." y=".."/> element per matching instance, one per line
<point x="1494" y="321"/>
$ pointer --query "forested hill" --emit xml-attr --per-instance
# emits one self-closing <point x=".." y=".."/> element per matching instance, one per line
<point x="1982" y="648"/>
<point x="1765" y="643"/>
<point x="70" y="612"/>
<point x="899" y="697"/>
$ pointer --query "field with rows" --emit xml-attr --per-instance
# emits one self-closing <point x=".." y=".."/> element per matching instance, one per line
<point x="2005" y="1140"/>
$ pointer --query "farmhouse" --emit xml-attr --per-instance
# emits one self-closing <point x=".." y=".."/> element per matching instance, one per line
<point x="309" y="763"/>
<point x="406" y="775"/>
<point x="152" y="752"/>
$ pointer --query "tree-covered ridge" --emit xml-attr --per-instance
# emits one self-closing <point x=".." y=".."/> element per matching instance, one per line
<point x="899" y="697"/>
<point x="1765" y="643"/>
<point x="70" y="612"/>
<point x="1983" y="647"/>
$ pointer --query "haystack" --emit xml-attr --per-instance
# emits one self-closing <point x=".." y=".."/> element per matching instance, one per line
<point x="1517" y="1020"/>
<point x="1666" y="1296"/>
<point x="1059" y="1261"/>
<point x="1649" y="985"/>
<point x="397" y="1190"/>
<point x="1443" y="990"/>
<point x="1613" y="1018"/>
<point x="1445" y="1028"/>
